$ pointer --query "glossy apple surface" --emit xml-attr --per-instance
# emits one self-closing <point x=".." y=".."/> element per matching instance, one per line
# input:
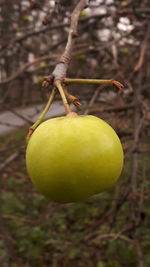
<point x="72" y="158"/>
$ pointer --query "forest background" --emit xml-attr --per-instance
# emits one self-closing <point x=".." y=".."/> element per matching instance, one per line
<point x="110" y="229"/>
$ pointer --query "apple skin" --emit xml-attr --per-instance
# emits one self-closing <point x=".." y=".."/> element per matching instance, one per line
<point x="72" y="158"/>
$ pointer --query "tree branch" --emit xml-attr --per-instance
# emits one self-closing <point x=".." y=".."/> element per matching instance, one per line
<point x="143" y="50"/>
<point x="62" y="67"/>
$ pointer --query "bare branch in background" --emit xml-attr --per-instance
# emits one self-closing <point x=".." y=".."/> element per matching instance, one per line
<point x="61" y="68"/>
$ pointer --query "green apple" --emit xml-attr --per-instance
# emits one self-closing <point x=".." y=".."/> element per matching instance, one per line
<point x="74" y="157"/>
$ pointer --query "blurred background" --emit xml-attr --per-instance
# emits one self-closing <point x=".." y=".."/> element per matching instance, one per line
<point x="110" y="229"/>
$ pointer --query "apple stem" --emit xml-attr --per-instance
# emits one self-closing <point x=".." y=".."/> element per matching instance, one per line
<point x="41" y="117"/>
<point x="63" y="96"/>
<point x="96" y="81"/>
<point x="71" y="98"/>
<point x="117" y="84"/>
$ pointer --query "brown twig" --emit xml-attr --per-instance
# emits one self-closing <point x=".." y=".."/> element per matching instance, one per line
<point x="9" y="160"/>
<point x="62" y="66"/>
<point x="94" y="97"/>
<point x="10" y="124"/>
<point x="20" y="116"/>
<point x="143" y="50"/>
<point x="71" y="98"/>
<point x="133" y="11"/>
<point x="139" y="252"/>
<point x="15" y="40"/>
<point x="25" y="67"/>
<point x="141" y="57"/>
<point x="111" y="236"/>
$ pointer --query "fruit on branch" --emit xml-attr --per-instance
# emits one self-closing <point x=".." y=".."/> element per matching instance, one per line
<point x="74" y="157"/>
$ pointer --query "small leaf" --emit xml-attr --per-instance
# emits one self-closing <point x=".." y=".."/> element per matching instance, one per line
<point x="125" y="51"/>
<point x="40" y="79"/>
<point x="26" y="18"/>
<point x="124" y="3"/>
<point x="19" y="29"/>
<point x="84" y="13"/>
<point x="100" y="264"/>
<point x="42" y="64"/>
<point x="81" y="56"/>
